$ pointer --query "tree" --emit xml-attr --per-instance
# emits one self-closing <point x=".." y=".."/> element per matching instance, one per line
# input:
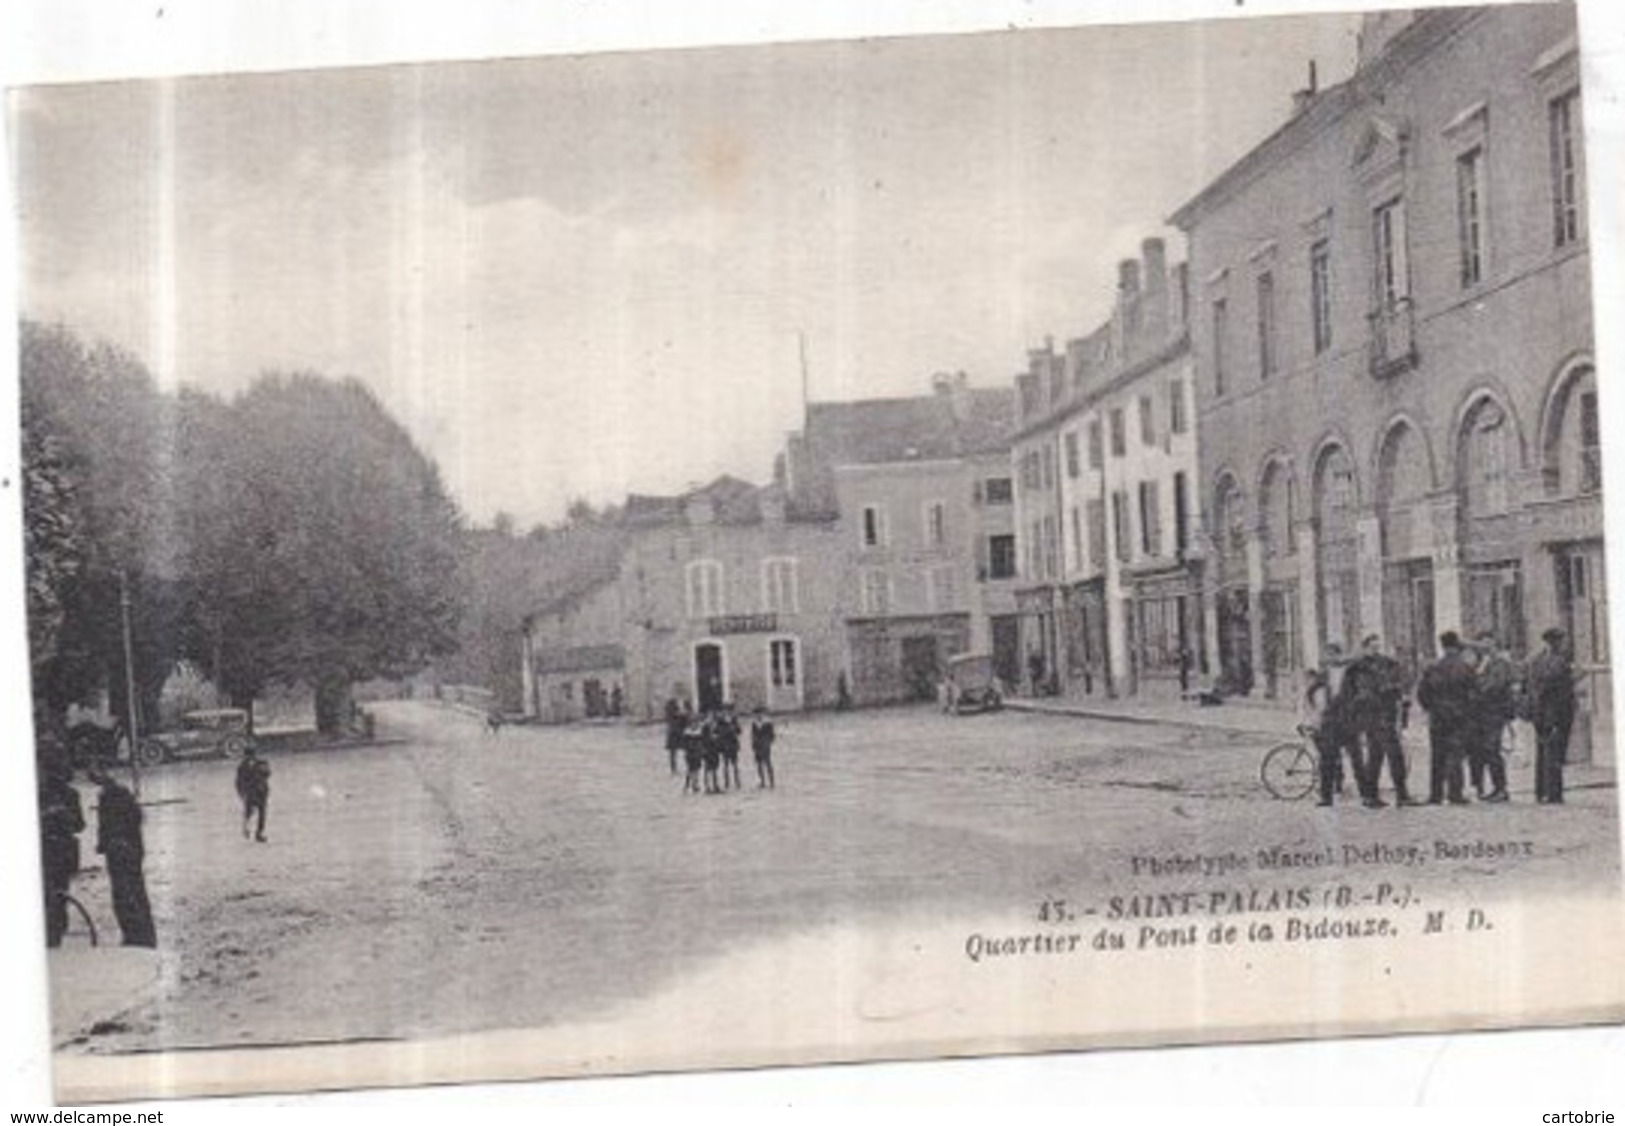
<point x="93" y="424"/>
<point x="331" y="554"/>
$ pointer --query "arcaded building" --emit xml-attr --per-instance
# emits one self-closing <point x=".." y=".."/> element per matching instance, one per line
<point x="1395" y="380"/>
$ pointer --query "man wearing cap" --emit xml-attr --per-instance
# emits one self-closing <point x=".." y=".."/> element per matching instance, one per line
<point x="1448" y="692"/>
<point x="1376" y="687"/>
<point x="1551" y="710"/>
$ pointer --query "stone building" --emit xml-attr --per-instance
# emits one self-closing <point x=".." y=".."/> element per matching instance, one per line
<point x="919" y="488"/>
<point x="1105" y="466"/>
<point x="721" y="596"/>
<point x="1397" y="393"/>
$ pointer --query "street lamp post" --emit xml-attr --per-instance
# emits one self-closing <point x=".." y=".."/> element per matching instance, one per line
<point x="129" y="680"/>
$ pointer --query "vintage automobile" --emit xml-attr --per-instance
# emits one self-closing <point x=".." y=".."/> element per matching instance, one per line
<point x="971" y="686"/>
<point x="213" y="733"/>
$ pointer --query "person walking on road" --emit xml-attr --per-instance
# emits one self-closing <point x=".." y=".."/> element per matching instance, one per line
<point x="119" y="840"/>
<point x="761" y="745"/>
<point x="711" y="742"/>
<point x="1376" y="687"/>
<point x="1551" y="710"/>
<point x="62" y="819"/>
<point x="1497" y="703"/>
<point x="693" y="752"/>
<point x="1448" y="691"/>
<point x="254" y="789"/>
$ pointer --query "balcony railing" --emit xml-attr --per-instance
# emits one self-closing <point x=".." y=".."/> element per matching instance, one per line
<point x="1393" y="338"/>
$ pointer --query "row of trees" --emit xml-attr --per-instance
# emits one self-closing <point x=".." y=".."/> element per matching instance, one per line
<point x="293" y="534"/>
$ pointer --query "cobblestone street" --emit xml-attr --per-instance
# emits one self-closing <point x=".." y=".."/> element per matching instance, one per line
<point x="460" y="881"/>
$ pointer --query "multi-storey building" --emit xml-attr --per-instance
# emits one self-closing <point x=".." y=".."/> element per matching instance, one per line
<point x="1105" y="466"/>
<point x="720" y="596"/>
<point x="919" y="488"/>
<point x="1397" y="396"/>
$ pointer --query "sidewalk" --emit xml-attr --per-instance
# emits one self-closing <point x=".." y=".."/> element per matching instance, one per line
<point x="93" y="985"/>
<point x="1275" y="721"/>
<point x="1272" y="721"/>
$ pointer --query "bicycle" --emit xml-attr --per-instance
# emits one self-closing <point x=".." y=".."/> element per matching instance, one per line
<point x="1290" y="770"/>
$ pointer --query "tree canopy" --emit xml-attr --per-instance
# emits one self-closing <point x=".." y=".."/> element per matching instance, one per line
<point x="295" y="533"/>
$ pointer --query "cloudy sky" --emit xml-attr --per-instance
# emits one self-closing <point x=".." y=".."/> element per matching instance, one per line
<point x="579" y="276"/>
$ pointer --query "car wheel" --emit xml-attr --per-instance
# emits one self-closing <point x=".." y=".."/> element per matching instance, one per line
<point x="235" y="746"/>
<point x="150" y="752"/>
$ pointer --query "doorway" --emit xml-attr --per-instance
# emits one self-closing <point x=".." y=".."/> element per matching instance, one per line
<point x="922" y="667"/>
<point x="710" y="676"/>
<point x="1582" y="600"/>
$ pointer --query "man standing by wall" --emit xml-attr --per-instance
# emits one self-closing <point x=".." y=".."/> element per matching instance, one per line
<point x="1551" y="710"/>
<point x="1497" y="691"/>
<point x="62" y="818"/>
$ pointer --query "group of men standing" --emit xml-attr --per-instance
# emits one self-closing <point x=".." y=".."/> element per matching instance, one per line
<point x="1357" y="706"/>
<point x="119" y="840"/>
<point x="709" y="744"/>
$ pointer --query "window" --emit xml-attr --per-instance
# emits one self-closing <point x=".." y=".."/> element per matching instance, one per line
<point x="1470" y="216"/>
<point x="1486" y="469"/>
<point x="1178" y="422"/>
<point x="1052" y="548"/>
<point x="1388" y="246"/>
<point x="1119" y="434"/>
<point x="936" y="524"/>
<point x="1073" y="468"/>
<point x="1320" y="294"/>
<point x="1095" y="513"/>
<point x="1564" y="122"/>
<point x="1097" y="450"/>
<point x="874" y="526"/>
<point x="1266" y="324"/>
<point x="781" y="659"/>
<point x="1001" y="557"/>
<point x="940" y="588"/>
<point x="1221" y="344"/>
<point x="779" y="588"/>
<point x="1150" y="519"/>
<point x="996" y="490"/>
<point x="1590" y="444"/>
<point x="1049" y="466"/>
<point x="1120" y="525"/>
<point x="875" y="592"/>
<point x="1148" y="421"/>
<point x="1077" y="539"/>
<point x="1031" y="478"/>
<point x="704" y="583"/>
<point x="1182" y="512"/>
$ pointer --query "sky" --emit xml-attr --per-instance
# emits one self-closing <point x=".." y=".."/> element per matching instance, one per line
<point x="590" y="275"/>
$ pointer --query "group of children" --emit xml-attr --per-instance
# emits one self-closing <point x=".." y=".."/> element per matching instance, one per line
<point x="709" y="743"/>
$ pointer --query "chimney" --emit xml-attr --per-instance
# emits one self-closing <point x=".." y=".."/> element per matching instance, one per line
<point x="1303" y="99"/>
<point x="941" y="383"/>
<point x="1155" y="254"/>
<point x="1128" y="277"/>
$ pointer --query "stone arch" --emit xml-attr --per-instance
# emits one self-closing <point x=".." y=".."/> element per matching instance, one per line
<point x="1333" y="441"/>
<point x="1230" y="522"/>
<point x="1487" y="451"/>
<point x="1566" y="466"/>
<point x="1405" y="477"/>
<point x="1487" y="390"/>
<point x="1335" y="500"/>
<point x="1277" y="504"/>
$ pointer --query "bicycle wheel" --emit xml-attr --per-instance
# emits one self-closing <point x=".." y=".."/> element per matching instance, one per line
<point x="1288" y="771"/>
<point x="76" y="908"/>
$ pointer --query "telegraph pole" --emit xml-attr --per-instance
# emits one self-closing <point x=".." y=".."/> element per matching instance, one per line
<point x="129" y="680"/>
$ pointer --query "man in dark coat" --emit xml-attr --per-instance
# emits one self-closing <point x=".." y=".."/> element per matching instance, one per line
<point x="1497" y="702"/>
<point x="676" y="724"/>
<point x="761" y="745"/>
<point x="62" y="818"/>
<point x="1551" y="710"/>
<point x="1375" y="685"/>
<point x="1326" y="717"/>
<point x="119" y="840"/>
<point x="254" y="788"/>
<point x="1448" y="691"/>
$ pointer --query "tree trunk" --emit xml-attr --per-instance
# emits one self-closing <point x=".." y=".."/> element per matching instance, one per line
<point x="333" y="705"/>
